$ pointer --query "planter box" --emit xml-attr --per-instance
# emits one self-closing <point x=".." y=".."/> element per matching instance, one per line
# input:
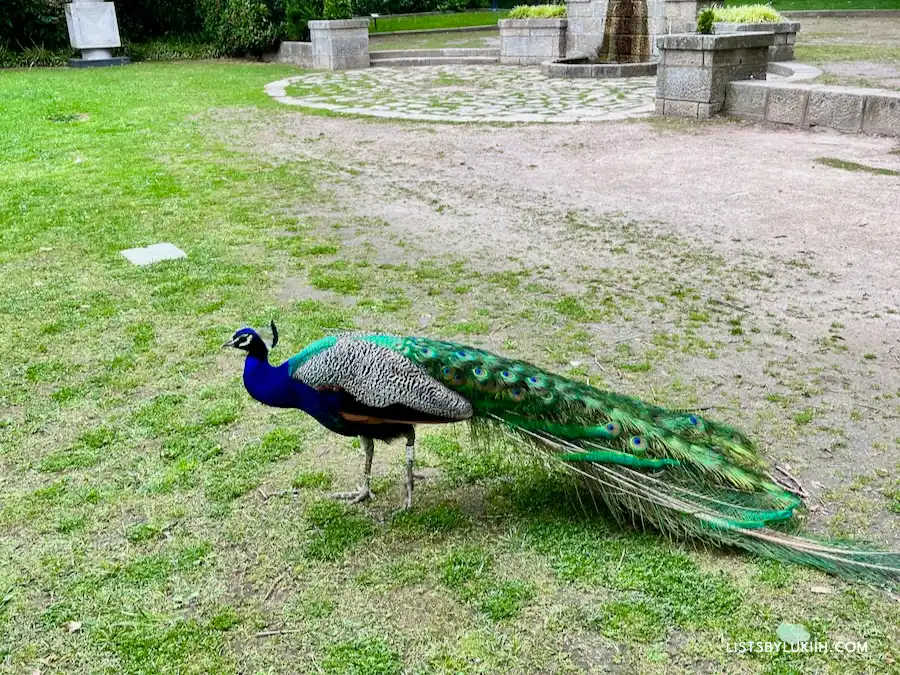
<point x="340" y="45"/>
<point x="785" y="36"/>
<point x="532" y="41"/>
<point x="694" y="70"/>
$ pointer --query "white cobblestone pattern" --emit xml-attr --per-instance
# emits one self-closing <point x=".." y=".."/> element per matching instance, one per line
<point x="468" y="93"/>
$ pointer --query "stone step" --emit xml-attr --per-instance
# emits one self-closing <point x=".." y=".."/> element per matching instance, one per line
<point x="380" y="55"/>
<point x="437" y="61"/>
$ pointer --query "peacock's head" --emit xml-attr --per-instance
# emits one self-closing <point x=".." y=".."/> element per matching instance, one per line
<point x="248" y="340"/>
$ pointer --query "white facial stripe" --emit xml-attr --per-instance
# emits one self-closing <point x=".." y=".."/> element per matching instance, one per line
<point x="244" y="341"/>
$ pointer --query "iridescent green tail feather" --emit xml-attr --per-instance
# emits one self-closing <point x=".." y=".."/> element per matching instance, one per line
<point x="675" y="471"/>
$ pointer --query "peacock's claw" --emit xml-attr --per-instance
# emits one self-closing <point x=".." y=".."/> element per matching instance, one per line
<point x="357" y="496"/>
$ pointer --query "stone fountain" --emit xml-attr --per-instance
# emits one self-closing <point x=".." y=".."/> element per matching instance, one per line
<point x="617" y="38"/>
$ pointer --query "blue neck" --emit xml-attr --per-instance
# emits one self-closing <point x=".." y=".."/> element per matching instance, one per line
<point x="274" y="386"/>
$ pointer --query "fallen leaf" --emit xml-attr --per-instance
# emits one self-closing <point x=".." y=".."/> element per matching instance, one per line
<point x="821" y="590"/>
<point x="73" y="626"/>
<point x="792" y="633"/>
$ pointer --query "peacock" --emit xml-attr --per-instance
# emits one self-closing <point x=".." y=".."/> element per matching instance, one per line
<point x="675" y="471"/>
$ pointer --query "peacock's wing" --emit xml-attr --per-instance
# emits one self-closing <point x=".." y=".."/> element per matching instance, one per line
<point x="379" y="381"/>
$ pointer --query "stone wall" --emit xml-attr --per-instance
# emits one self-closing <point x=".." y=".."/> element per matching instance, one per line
<point x="532" y="41"/>
<point x="694" y="70"/>
<point x="296" y="53"/>
<point x="872" y="111"/>
<point x="785" y="36"/>
<point x="680" y="16"/>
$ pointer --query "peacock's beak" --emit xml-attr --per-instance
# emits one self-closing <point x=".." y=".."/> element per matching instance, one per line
<point x="230" y="343"/>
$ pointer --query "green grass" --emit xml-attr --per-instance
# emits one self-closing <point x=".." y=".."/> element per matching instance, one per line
<point x="390" y="24"/>
<point x="538" y="12"/>
<point x="797" y="5"/>
<point x="834" y="53"/>
<point x="836" y="163"/>
<point x="185" y="527"/>
<point x="479" y="40"/>
<point x="747" y="14"/>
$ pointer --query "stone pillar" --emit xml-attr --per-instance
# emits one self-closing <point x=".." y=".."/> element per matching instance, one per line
<point x="94" y="29"/>
<point x="694" y="70"/>
<point x="340" y="45"/>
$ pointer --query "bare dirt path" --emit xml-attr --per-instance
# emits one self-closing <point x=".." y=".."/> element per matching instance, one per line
<point x="801" y="259"/>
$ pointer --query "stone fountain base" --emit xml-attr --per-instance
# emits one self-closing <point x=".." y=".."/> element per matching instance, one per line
<point x="584" y="67"/>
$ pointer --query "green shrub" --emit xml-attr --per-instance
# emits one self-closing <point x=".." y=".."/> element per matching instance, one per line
<point x="335" y="10"/>
<point x="538" y="12"/>
<point x="34" y="57"/>
<point x="26" y="24"/>
<point x="705" y="21"/>
<point x="747" y="14"/>
<point x="171" y="50"/>
<point x="244" y="28"/>
<point x="298" y="14"/>
<point x="453" y="5"/>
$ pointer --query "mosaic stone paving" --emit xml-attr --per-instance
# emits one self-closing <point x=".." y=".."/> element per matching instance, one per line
<point x="466" y="93"/>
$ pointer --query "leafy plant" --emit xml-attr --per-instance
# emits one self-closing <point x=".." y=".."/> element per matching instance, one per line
<point x="245" y="28"/>
<point x="705" y="21"/>
<point x="298" y="14"/>
<point x="453" y="5"/>
<point x="538" y="12"/>
<point x="337" y="9"/>
<point x="745" y="14"/>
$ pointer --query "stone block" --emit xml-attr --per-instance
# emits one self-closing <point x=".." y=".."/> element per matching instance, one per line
<point x="297" y="53"/>
<point x="786" y="105"/>
<point x="532" y="41"/>
<point x="746" y="99"/>
<point x="660" y="106"/>
<point x="834" y="108"/>
<point x="715" y="42"/>
<point x="92" y="25"/>
<point x="882" y="114"/>
<point x="680" y="109"/>
<point x="707" y="110"/>
<point x="781" y="53"/>
<point x="684" y="84"/>
<point x="756" y="56"/>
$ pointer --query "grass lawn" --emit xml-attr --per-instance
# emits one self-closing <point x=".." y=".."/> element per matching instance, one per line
<point x="154" y="519"/>
<point x="797" y="5"/>
<point x="479" y="40"/>
<point x="819" y="54"/>
<point x="389" y="24"/>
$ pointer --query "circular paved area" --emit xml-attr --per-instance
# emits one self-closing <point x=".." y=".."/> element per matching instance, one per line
<point x="458" y="93"/>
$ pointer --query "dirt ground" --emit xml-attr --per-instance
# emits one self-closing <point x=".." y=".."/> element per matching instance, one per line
<point x="799" y="260"/>
<point x="850" y="31"/>
<point x="865" y="52"/>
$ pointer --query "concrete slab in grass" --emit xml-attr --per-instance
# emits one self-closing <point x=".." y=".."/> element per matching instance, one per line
<point x="152" y="254"/>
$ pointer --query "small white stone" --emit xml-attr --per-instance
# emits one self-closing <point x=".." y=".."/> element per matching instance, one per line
<point x="154" y="253"/>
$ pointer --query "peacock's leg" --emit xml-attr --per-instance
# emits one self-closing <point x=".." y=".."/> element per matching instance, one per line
<point x="363" y="493"/>
<point x="410" y="457"/>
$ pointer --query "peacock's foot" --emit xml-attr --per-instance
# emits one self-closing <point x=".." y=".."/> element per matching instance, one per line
<point x="355" y="497"/>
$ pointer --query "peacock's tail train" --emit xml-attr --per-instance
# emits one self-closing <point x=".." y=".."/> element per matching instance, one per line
<point x="678" y="472"/>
